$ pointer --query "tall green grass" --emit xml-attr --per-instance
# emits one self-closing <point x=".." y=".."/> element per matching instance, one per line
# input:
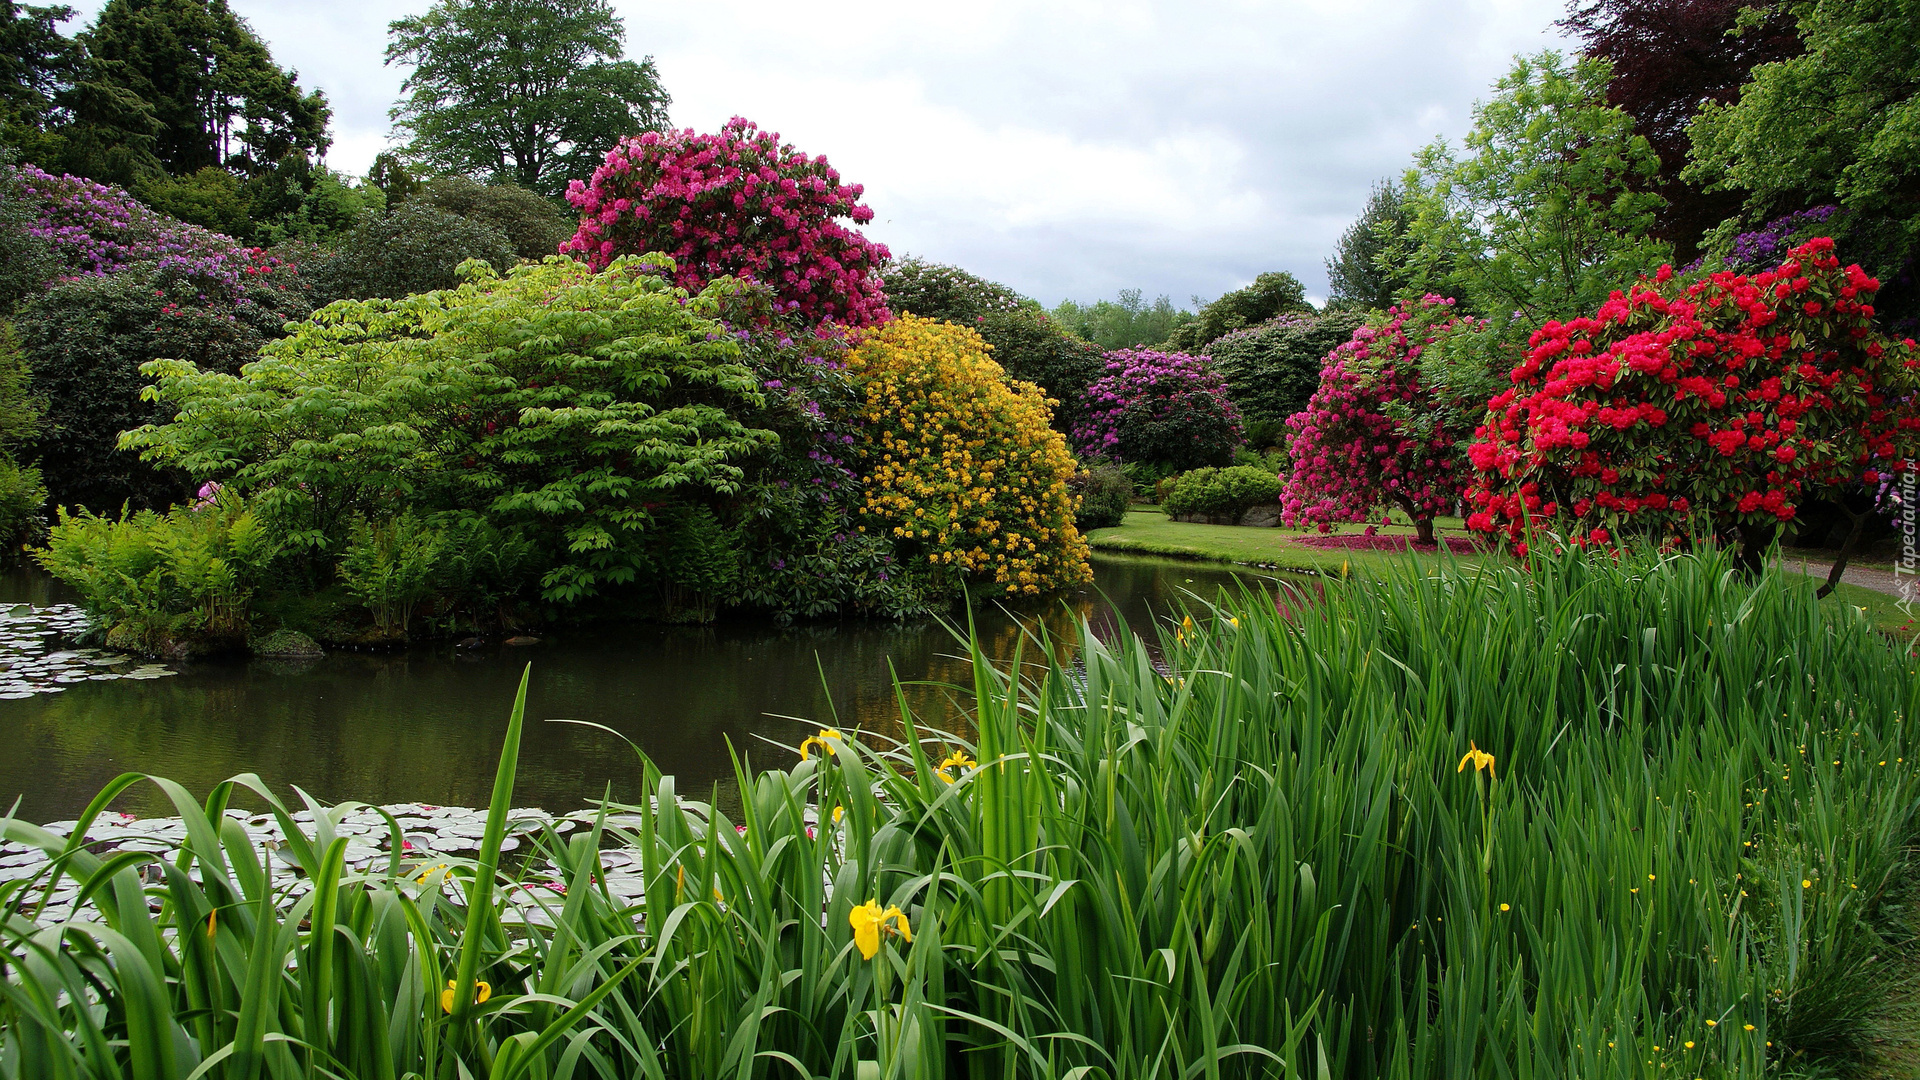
<point x="1248" y="848"/>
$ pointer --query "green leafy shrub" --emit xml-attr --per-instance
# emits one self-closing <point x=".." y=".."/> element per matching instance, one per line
<point x="562" y="405"/>
<point x="1105" y="492"/>
<point x="1273" y="369"/>
<point x="944" y="293"/>
<point x="84" y="341"/>
<point x="534" y="225"/>
<point x="413" y="249"/>
<point x="1271" y="295"/>
<point x="1228" y="492"/>
<point x="21" y="492"/>
<point x="166" y="584"/>
<point x="393" y="566"/>
<point x="1036" y="348"/>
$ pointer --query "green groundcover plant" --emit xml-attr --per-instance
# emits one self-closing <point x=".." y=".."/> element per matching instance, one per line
<point x="1613" y="817"/>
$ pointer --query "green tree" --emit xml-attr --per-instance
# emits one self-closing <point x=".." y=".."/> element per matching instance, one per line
<point x="1361" y="273"/>
<point x="1546" y="210"/>
<point x="414" y="249"/>
<point x="1126" y="323"/>
<point x="534" y="91"/>
<point x="1839" y="123"/>
<point x="209" y="82"/>
<point x="534" y="224"/>
<point x="1275" y="292"/>
<point x="37" y="63"/>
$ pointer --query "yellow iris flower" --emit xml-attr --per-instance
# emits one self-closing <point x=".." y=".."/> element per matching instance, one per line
<point x="869" y="922"/>
<point x="481" y="992"/>
<point x="820" y="741"/>
<point x="957" y="762"/>
<point x="1478" y="757"/>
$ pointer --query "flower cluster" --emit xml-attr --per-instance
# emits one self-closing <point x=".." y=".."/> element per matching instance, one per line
<point x="739" y="202"/>
<point x="1166" y="408"/>
<point x="1763" y="247"/>
<point x="962" y="469"/>
<point x="94" y="229"/>
<point x="1374" y="432"/>
<point x="1729" y="400"/>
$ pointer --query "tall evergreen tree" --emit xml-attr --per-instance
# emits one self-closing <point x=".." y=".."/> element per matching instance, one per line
<point x="214" y="91"/>
<point x="532" y="91"/>
<point x="1356" y="277"/>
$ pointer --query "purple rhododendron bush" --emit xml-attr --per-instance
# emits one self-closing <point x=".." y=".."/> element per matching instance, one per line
<point x="740" y="203"/>
<point x="1167" y="410"/>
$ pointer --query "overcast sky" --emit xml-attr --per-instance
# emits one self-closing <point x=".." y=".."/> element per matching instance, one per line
<point x="1069" y="149"/>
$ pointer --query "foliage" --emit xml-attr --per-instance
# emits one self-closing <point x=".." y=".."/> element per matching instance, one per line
<point x="161" y="581"/>
<point x="21" y="492"/>
<point x="85" y="341"/>
<point x="1667" y="57"/>
<point x="531" y="91"/>
<point x="1834" y="124"/>
<point x="561" y="405"/>
<point x="1036" y="348"/>
<point x="414" y="249"/>
<point x="1273" y="369"/>
<point x="737" y="203"/>
<point x="1126" y="323"/>
<point x="1273" y="293"/>
<point x="960" y="466"/>
<point x="1688" y="410"/>
<point x="1105" y="493"/>
<point x="393" y="566"/>
<point x="209" y="83"/>
<point x="26" y="258"/>
<point x="1546" y="210"/>
<point x="534" y="224"/>
<point x="1360" y="274"/>
<point x="1228" y="492"/>
<point x="37" y="62"/>
<point x="1165" y="409"/>
<point x="1026" y="341"/>
<point x="945" y="293"/>
<point x="1376" y="431"/>
<point x="1716" y="786"/>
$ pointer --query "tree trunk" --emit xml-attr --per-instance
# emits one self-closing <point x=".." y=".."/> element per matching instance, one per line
<point x="1846" y="549"/>
<point x="1423" y="530"/>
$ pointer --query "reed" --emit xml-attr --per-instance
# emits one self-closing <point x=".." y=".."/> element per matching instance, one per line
<point x="1590" y="818"/>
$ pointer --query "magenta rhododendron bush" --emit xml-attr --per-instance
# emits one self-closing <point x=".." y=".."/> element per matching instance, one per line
<point x="739" y="202"/>
<point x="1374" y="434"/>
<point x="1719" y="405"/>
<point x="1169" y="409"/>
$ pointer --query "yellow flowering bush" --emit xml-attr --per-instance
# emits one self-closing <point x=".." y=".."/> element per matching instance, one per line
<point x="962" y="471"/>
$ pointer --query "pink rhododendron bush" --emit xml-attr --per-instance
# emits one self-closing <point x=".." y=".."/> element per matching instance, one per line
<point x="1682" y="410"/>
<point x="1167" y="410"/>
<point x="1375" y="433"/>
<point x="739" y="202"/>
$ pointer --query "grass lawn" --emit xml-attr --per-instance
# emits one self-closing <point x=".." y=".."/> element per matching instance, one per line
<point x="1147" y="531"/>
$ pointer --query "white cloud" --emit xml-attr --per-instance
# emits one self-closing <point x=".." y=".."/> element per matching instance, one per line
<point x="1069" y="148"/>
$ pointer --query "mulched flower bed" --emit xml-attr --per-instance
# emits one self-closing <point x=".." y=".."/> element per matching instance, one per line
<point x="1459" y="545"/>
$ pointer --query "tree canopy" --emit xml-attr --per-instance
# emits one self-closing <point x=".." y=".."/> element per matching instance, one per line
<point x="534" y="91"/>
<point x="1356" y="274"/>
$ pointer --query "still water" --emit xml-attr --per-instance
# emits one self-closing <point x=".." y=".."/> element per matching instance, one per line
<point x="425" y="725"/>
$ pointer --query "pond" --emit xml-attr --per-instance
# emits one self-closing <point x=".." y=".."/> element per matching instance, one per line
<point x="424" y="725"/>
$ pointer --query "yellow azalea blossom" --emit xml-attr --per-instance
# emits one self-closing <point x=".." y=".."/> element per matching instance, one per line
<point x="1479" y="758"/>
<point x="820" y="741"/>
<point x="481" y="992"/>
<point x="869" y="922"/>
<point x="957" y="762"/>
<point x="429" y="872"/>
<point x="838" y="812"/>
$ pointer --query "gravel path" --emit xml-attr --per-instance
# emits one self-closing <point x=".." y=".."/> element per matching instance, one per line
<point x="1878" y="578"/>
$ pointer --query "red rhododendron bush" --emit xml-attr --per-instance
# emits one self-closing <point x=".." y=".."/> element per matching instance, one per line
<point x="740" y="202"/>
<point x="1375" y="433"/>
<point x="1711" y="408"/>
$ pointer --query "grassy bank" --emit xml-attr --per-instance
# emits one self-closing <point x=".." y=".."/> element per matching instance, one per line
<point x="1598" y="819"/>
<point x="1148" y="531"/>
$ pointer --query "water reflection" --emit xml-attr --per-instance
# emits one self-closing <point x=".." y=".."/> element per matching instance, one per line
<point x="425" y="725"/>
